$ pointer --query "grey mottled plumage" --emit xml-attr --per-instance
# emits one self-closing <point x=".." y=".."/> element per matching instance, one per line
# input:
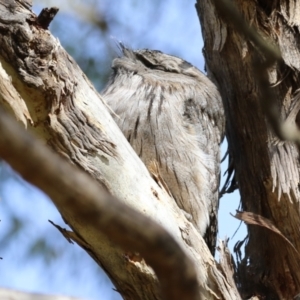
<point x="172" y="114"/>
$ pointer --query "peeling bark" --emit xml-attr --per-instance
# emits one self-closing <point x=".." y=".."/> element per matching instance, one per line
<point x="267" y="169"/>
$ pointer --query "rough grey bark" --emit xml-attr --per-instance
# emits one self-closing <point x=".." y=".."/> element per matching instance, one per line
<point x="266" y="169"/>
<point x="45" y="90"/>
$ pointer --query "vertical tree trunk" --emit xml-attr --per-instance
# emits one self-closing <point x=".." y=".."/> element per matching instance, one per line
<point x="266" y="169"/>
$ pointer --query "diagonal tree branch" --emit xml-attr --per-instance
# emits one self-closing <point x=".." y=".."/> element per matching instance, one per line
<point x="60" y="106"/>
<point x="78" y="195"/>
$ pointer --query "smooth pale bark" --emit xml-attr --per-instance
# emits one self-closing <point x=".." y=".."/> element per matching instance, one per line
<point x="7" y="294"/>
<point x="47" y="92"/>
<point x="266" y="169"/>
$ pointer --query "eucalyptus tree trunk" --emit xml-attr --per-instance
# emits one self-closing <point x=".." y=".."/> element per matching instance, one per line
<point x="266" y="168"/>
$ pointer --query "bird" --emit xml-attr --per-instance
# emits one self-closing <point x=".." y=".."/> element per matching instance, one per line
<point x="173" y="117"/>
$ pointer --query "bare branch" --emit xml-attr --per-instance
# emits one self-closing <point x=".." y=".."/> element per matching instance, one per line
<point x="85" y="200"/>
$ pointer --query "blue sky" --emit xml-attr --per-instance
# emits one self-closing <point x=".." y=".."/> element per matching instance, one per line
<point x="170" y="26"/>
